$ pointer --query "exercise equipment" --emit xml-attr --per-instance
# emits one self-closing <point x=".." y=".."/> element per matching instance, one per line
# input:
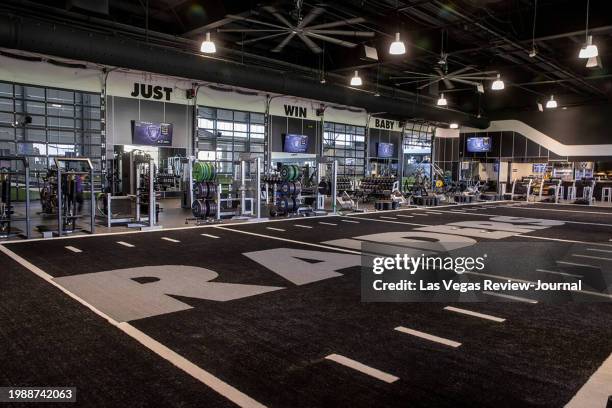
<point x="68" y="181"/>
<point x="9" y="185"/>
<point x="290" y="172"/>
<point x="203" y="171"/>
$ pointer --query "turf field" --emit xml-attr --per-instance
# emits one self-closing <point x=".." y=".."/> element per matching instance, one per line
<point x="270" y="314"/>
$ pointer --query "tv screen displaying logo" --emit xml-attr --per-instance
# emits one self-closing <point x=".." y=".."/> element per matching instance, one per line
<point x="385" y="150"/>
<point x="295" y="143"/>
<point x="151" y="133"/>
<point x="478" y="144"/>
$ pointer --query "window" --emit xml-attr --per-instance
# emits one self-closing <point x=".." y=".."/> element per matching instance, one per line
<point x="224" y="134"/>
<point x="346" y="144"/>
<point x="63" y="122"/>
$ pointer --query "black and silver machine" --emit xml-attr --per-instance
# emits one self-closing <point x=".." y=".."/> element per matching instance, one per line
<point x="11" y="186"/>
<point x="72" y="174"/>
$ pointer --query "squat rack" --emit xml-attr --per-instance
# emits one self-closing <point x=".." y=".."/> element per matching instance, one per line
<point x="60" y="215"/>
<point x="26" y="172"/>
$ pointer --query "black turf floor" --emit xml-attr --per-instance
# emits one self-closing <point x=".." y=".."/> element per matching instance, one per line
<point x="273" y="346"/>
<point x="49" y="339"/>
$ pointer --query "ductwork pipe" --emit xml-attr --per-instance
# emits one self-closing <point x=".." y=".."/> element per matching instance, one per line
<point x="102" y="48"/>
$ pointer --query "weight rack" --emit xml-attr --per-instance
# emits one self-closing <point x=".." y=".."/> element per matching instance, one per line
<point x="8" y="203"/>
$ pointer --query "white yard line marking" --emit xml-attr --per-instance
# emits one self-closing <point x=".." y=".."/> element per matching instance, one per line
<point x="125" y="244"/>
<point x="593" y="257"/>
<point x="586" y="292"/>
<point x="436" y="213"/>
<point x="475" y="314"/>
<point x="388" y="218"/>
<point x="351" y="221"/>
<point x="170" y="239"/>
<point x="328" y="223"/>
<point x="158" y="348"/>
<point x="405" y="216"/>
<point x="596" y="391"/>
<point x="599" y="250"/>
<point x="577" y="264"/>
<point x="503" y="295"/>
<point x="566" y="240"/>
<point x="73" y="249"/>
<point x="302" y="226"/>
<point x="571" y="275"/>
<point x="362" y="368"/>
<point x="429" y="337"/>
<point x="275" y="229"/>
<point x="209" y="236"/>
<point x="421" y="215"/>
<point x="288" y="240"/>
<point x="570" y="211"/>
<point x="544" y="219"/>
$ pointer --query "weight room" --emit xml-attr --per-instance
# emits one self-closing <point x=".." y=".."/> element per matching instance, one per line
<point x="192" y="194"/>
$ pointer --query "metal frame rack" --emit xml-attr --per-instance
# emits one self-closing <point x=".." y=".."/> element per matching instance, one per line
<point x="26" y="171"/>
<point x="60" y="215"/>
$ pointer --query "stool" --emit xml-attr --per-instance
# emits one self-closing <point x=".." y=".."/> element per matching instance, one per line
<point x="606" y="194"/>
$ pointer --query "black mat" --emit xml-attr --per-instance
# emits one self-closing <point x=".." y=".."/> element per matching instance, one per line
<point x="48" y="339"/>
<point x="273" y="346"/>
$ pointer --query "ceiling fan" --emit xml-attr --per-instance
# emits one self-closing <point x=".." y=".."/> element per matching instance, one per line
<point x="466" y="75"/>
<point x="300" y="27"/>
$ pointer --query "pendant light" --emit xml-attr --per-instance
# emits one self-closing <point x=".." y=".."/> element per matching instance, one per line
<point x="208" y="47"/>
<point x="397" y="47"/>
<point x="454" y="126"/>
<point x="442" y="101"/>
<point x="498" y="84"/>
<point x="551" y="104"/>
<point x="588" y="50"/>
<point x="356" y="80"/>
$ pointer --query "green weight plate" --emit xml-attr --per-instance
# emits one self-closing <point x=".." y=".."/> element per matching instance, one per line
<point x="285" y="172"/>
<point x="212" y="171"/>
<point x="198" y="171"/>
<point x="297" y="172"/>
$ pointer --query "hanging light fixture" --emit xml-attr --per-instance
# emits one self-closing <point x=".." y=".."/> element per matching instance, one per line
<point x="551" y="104"/>
<point x="454" y="126"/>
<point x="397" y="47"/>
<point x="208" y="47"/>
<point x="594" y="62"/>
<point x="442" y="101"/>
<point x="588" y="50"/>
<point x="498" y="84"/>
<point x="356" y="80"/>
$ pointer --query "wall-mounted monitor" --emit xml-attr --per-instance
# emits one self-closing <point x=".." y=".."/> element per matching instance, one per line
<point x="295" y="143"/>
<point x="385" y="150"/>
<point x="478" y="144"/>
<point x="151" y="133"/>
<point x="539" y="168"/>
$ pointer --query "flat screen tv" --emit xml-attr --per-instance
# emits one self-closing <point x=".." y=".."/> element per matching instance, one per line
<point x="539" y="167"/>
<point x="151" y="133"/>
<point x="295" y="143"/>
<point x="385" y="150"/>
<point x="478" y="144"/>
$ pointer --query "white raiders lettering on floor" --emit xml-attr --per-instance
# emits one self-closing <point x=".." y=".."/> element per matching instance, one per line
<point x="118" y="293"/>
